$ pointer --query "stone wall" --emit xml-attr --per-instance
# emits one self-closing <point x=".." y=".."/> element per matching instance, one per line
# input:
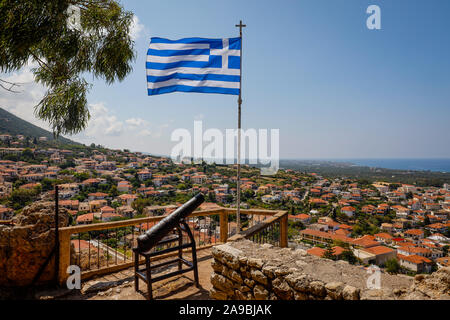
<point x="25" y="246"/>
<point x="244" y="270"/>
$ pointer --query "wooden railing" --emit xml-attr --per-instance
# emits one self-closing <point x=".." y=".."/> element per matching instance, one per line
<point x="271" y="230"/>
<point x="109" y="245"/>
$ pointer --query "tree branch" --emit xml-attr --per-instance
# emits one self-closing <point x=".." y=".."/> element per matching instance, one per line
<point x="11" y="85"/>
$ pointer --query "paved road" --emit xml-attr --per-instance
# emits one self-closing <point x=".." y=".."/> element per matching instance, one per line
<point x="305" y="195"/>
<point x="112" y="252"/>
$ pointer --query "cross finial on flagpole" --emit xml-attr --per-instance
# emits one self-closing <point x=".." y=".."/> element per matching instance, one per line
<point x="240" y="26"/>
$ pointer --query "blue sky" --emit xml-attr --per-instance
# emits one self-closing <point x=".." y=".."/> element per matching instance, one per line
<point x="311" y="68"/>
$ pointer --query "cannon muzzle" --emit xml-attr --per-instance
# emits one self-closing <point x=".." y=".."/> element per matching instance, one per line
<point x="151" y="238"/>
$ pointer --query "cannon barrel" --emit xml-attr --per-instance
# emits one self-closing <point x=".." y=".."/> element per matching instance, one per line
<point x="149" y="239"/>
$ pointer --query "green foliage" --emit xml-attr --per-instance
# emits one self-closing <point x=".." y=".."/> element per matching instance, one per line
<point x="293" y="228"/>
<point x="348" y="256"/>
<point x="328" y="254"/>
<point x="80" y="176"/>
<point x="392" y="266"/>
<point x="140" y="203"/>
<point x="113" y="192"/>
<point x="67" y="164"/>
<point x="47" y="184"/>
<point x="38" y="30"/>
<point x="22" y="197"/>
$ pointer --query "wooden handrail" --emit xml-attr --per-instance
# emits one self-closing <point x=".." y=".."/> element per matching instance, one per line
<point x="129" y="222"/>
<point x="280" y="216"/>
<point x="260" y="212"/>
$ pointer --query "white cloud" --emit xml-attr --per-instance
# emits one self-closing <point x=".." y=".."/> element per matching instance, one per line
<point x="28" y="95"/>
<point x="102" y="122"/>
<point x="136" y="122"/>
<point x="136" y="28"/>
<point x="145" y="132"/>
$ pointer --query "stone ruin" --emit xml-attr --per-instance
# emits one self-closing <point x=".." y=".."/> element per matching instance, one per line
<point x="244" y="270"/>
<point x="27" y="243"/>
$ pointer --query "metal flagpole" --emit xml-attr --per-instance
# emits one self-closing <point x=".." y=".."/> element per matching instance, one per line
<point x="238" y="204"/>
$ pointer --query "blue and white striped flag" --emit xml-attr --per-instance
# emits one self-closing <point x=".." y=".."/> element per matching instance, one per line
<point x="193" y="65"/>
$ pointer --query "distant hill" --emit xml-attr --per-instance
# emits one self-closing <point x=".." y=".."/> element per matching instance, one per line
<point x="10" y="124"/>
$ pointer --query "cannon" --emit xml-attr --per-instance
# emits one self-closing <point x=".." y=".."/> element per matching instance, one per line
<point x="150" y="239"/>
<point x="159" y="236"/>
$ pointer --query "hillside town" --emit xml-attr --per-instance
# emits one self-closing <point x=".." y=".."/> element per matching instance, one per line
<point x="399" y="227"/>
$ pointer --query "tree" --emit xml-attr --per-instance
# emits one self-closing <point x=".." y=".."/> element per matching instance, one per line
<point x="139" y="204"/>
<point x="349" y="256"/>
<point x="211" y="197"/>
<point x="392" y="266"/>
<point x="68" y="164"/>
<point x="113" y="192"/>
<point x="47" y="184"/>
<point x="37" y="30"/>
<point x="27" y="154"/>
<point x="21" y="197"/>
<point x="329" y="254"/>
<point x="80" y="176"/>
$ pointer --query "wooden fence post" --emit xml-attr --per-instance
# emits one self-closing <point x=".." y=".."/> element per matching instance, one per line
<point x="64" y="256"/>
<point x="223" y="226"/>
<point x="284" y="231"/>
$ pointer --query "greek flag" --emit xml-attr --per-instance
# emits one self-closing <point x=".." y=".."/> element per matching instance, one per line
<point x="194" y="65"/>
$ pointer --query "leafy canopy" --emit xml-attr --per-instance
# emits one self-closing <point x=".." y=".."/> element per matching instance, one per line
<point x="37" y="30"/>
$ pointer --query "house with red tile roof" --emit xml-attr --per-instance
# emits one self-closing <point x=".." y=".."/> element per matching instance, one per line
<point x="437" y="227"/>
<point x="343" y="232"/>
<point x="302" y="217"/>
<point x="97" y="196"/>
<point x="365" y="241"/>
<point x="123" y="186"/>
<point x="85" y="218"/>
<point x="369" y="209"/>
<point x="69" y="204"/>
<point x="349" y="211"/>
<point x="319" y="252"/>
<point x="316" y="251"/>
<point x="413" y="250"/>
<point x="415" y="263"/>
<point x="381" y="254"/>
<point x="127" y="199"/>
<point x="414" y="234"/>
<point x="383" y="237"/>
<point x="318" y="202"/>
<point x="108" y="216"/>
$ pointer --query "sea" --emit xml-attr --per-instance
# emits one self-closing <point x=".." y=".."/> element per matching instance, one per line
<point x="438" y="165"/>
